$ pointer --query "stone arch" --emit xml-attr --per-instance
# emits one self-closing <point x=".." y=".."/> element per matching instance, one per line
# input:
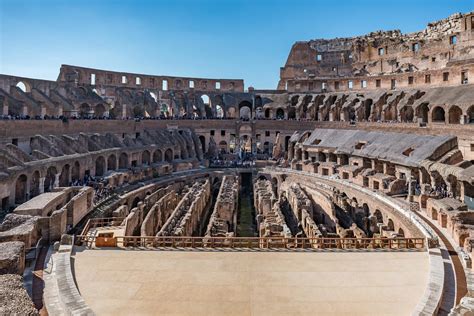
<point x="366" y="209"/>
<point x="169" y="155"/>
<point x="157" y="156"/>
<point x="223" y="147"/>
<point x="112" y="162"/>
<point x="24" y="86"/>
<point x="65" y="175"/>
<point x="267" y="113"/>
<point x="454" y="115"/>
<point x="165" y="110"/>
<point x="20" y="189"/>
<point x="292" y="113"/>
<point x="437" y="115"/>
<point x="123" y="161"/>
<point x="138" y="111"/>
<point x="49" y="180"/>
<point x="406" y="114"/>
<point x="266" y="148"/>
<point x="206" y="101"/>
<point x="470" y="115"/>
<point x="35" y="184"/>
<point x="422" y="112"/>
<point x="85" y="110"/>
<point x="219" y="111"/>
<point x="245" y="110"/>
<point x="390" y="225"/>
<point x="453" y="183"/>
<point x="401" y="232"/>
<point x="202" y="139"/>
<point x="100" y="166"/>
<point x="99" y="110"/>
<point x="367" y="109"/>
<point x="280" y="114"/>
<point x="146" y="158"/>
<point x="135" y="202"/>
<point x="378" y="215"/>
<point x="76" y="171"/>
<point x="231" y="112"/>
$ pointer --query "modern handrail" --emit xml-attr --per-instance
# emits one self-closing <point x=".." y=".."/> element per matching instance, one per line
<point x="263" y="242"/>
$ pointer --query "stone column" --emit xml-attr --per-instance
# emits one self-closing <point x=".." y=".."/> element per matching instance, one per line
<point x="56" y="180"/>
<point x="41" y="185"/>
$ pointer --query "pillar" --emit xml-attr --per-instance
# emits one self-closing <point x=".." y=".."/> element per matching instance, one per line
<point x="56" y="180"/>
<point x="41" y="185"/>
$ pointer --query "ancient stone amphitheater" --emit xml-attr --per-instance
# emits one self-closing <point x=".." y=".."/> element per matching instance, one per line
<point x="348" y="190"/>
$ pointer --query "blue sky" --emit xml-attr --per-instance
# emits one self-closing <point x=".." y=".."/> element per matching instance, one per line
<point x="247" y="39"/>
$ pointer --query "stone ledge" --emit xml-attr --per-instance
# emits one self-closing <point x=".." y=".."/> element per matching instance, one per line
<point x="61" y="294"/>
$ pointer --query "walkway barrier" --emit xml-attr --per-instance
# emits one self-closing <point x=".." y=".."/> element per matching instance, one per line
<point x="101" y="222"/>
<point x="262" y="242"/>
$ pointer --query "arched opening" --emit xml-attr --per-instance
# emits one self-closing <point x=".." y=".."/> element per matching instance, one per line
<point x="206" y="101"/>
<point x="366" y="209"/>
<point x="146" y="158"/>
<point x="266" y="148"/>
<point x="85" y="110"/>
<point x="50" y="179"/>
<point x="406" y="114"/>
<point x="245" y="110"/>
<point x="169" y="155"/>
<point x="470" y="115"/>
<point x="390" y="225"/>
<point x="287" y="142"/>
<point x="123" y="161"/>
<point x="157" y="156"/>
<point x="455" y="115"/>
<point x="135" y="202"/>
<point x="20" y="189"/>
<point x="267" y="113"/>
<point x="231" y="112"/>
<point x="138" y="111"/>
<point x="378" y="215"/>
<point x="280" y="114"/>
<point x="438" y="115"/>
<point x="291" y="113"/>
<point x="202" y="139"/>
<point x="401" y="232"/>
<point x="164" y="109"/>
<point x="219" y="111"/>
<point x="99" y="110"/>
<point x="23" y="86"/>
<point x="100" y="166"/>
<point x="223" y="147"/>
<point x="34" y="185"/>
<point x="367" y="109"/>
<point x="64" y="177"/>
<point x="76" y="172"/>
<point x="423" y="112"/>
<point x="112" y="162"/>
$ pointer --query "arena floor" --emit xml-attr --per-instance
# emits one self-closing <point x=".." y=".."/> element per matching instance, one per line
<point x="128" y="282"/>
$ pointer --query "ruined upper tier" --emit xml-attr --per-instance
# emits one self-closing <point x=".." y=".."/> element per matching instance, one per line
<point x="441" y="54"/>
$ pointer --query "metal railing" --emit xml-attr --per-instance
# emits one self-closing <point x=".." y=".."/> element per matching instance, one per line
<point x="261" y="242"/>
<point x="101" y="222"/>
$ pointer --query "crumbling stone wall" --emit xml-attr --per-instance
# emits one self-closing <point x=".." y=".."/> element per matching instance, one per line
<point x="270" y="219"/>
<point x="186" y="217"/>
<point x="223" y="220"/>
<point x="383" y="59"/>
<point x="159" y="213"/>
